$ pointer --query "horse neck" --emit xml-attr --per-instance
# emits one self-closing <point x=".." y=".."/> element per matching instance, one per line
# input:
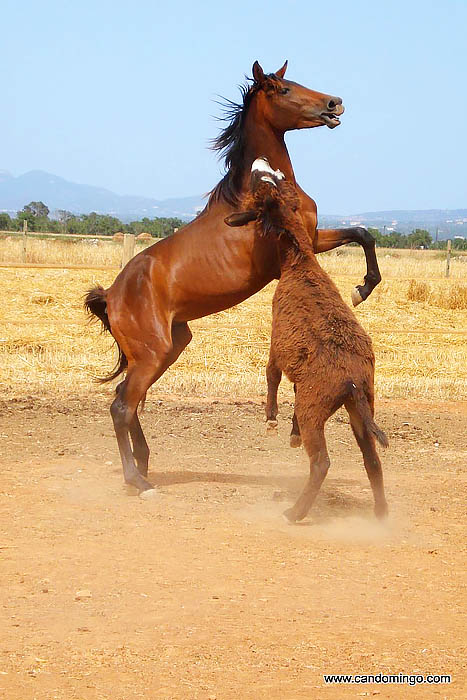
<point x="302" y="260"/>
<point x="261" y="139"/>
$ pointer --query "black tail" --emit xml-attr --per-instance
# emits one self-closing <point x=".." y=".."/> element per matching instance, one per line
<point x="363" y="408"/>
<point x="96" y="305"/>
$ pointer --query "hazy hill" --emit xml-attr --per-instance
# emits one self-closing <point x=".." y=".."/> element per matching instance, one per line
<point x="58" y="193"/>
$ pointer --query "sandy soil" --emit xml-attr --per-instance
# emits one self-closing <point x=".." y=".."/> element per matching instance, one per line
<point x="204" y="591"/>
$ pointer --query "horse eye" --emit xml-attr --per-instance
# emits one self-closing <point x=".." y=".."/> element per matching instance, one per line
<point x="284" y="91"/>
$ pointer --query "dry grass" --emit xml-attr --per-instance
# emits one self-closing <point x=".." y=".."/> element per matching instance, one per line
<point x="406" y="264"/>
<point x="448" y="297"/>
<point x="58" y="251"/>
<point x="46" y="346"/>
<point x="396" y="264"/>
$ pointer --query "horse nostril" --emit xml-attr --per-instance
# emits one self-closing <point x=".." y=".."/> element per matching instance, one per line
<point x="332" y="104"/>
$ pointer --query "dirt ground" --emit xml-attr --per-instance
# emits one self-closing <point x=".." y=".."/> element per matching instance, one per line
<point x="205" y="591"/>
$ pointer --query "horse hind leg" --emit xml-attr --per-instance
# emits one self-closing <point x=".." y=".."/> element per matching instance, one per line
<point x="315" y="445"/>
<point x="371" y="460"/>
<point x="273" y="377"/>
<point x="140" y="450"/>
<point x="142" y="373"/>
<point x="295" y="437"/>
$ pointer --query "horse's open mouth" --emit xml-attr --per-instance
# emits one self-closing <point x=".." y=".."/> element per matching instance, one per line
<point x="331" y="120"/>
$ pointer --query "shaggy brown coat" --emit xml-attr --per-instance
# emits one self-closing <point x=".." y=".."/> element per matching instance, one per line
<point x="316" y="341"/>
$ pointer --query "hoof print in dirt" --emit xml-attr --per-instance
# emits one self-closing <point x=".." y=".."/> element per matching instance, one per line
<point x="280" y="496"/>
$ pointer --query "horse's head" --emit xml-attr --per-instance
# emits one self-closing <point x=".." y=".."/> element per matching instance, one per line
<point x="287" y="105"/>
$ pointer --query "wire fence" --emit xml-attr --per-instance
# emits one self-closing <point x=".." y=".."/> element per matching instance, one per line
<point x="128" y="248"/>
<point x="127" y="241"/>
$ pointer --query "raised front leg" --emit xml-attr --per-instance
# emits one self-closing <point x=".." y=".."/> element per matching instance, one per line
<point x="328" y="239"/>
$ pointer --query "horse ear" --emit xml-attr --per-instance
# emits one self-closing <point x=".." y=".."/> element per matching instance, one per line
<point x="258" y="73"/>
<point x="281" y="72"/>
<point x="240" y="218"/>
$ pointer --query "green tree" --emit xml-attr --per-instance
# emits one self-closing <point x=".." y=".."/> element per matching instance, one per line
<point x="101" y="224"/>
<point x="5" y="221"/>
<point x="439" y="245"/>
<point x="159" y="227"/>
<point x="377" y="235"/>
<point x="37" y="209"/>
<point x="394" y="239"/>
<point x="64" y="217"/>
<point x="459" y="243"/>
<point x="27" y="216"/>
<point x="419" y="238"/>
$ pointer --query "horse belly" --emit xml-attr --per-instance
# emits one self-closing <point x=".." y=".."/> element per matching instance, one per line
<point x="219" y="277"/>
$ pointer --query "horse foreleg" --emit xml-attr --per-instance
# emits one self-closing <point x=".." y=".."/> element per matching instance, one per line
<point x="328" y="239"/>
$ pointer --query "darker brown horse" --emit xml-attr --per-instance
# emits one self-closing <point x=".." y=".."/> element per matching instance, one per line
<point x="208" y="266"/>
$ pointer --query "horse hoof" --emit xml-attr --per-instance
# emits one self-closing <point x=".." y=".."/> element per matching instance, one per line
<point x="381" y="511"/>
<point x="148" y="494"/>
<point x="289" y="516"/>
<point x="130" y="490"/>
<point x="356" y="297"/>
<point x="295" y="440"/>
<point x="271" y="426"/>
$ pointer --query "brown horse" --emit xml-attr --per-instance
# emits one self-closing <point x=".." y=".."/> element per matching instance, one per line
<point x="208" y="266"/>
<point x="316" y="339"/>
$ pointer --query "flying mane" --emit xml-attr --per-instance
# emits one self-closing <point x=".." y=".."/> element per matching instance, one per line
<point x="230" y="143"/>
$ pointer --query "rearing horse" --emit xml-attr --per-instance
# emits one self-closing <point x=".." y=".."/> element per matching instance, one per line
<point x="208" y="266"/>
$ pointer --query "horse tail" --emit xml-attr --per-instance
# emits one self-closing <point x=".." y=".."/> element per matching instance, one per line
<point x="363" y="409"/>
<point x="95" y="305"/>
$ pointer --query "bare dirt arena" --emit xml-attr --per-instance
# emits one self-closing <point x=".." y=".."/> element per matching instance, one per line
<point x="204" y="591"/>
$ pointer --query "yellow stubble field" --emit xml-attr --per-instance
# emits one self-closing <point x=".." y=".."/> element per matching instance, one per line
<point x="416" y="317"/>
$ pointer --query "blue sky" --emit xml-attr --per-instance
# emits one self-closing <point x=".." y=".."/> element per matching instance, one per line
<point x="121" y="94"/>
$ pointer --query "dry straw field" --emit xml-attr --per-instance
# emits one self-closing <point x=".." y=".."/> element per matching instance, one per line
<point x="416" y="316"/>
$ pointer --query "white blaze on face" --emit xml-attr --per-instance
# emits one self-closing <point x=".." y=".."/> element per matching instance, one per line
<point x="263" y="166"/>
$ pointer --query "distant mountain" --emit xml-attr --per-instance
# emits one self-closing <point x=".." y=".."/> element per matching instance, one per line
<point x="58" y="193"/>
<point x="445" y="223"/>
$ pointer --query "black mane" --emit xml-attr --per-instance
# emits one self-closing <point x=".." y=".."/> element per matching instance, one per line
<point x="230" y="144"/>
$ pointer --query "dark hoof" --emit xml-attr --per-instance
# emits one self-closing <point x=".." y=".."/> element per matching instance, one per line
<point x="271" y="426"/>
<point x="295" y="440"/>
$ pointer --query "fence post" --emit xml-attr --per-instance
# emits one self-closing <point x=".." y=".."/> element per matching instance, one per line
<point x="128" y="248"/>
<point x="448" y="258"/>
<point x="25" y="231"/>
